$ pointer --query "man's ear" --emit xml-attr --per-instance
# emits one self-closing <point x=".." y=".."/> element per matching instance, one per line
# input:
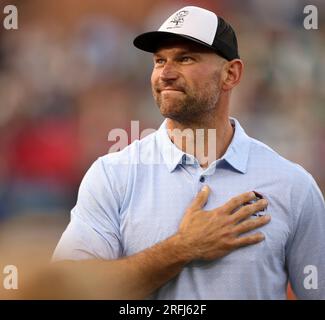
<point x="232" y="73"/>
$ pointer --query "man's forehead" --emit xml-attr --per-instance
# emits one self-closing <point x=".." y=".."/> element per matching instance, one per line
<point x="182" y="44"/>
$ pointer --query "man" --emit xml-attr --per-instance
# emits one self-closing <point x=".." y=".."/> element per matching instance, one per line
<point x="160" y="219"/>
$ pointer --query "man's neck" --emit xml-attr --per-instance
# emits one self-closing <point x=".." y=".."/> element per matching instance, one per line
<point x="207" y="140"/>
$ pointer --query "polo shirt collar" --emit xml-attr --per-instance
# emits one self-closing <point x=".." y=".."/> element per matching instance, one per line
<point x="238" y="151"/>
<point x="236" y="155"/>
<point x="171" y="154"/>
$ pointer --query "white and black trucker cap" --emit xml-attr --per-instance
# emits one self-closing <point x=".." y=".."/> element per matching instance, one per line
<point x="197" y="24"/>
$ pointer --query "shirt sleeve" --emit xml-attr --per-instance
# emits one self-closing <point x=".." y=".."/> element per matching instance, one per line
<point x="93" y="231"/>
<point x="306" y="250"/>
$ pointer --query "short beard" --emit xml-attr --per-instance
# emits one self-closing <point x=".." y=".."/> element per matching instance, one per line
<point x="193" y="107"/>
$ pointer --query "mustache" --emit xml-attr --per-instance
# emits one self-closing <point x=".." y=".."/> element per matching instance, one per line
<point x="160" y="87"/>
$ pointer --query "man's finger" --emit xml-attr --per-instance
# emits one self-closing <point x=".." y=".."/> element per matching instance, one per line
<point x="238" y="201"/>
<point x="246" y="211"/>
<point x="251" y="224"/>
<point x="248" y="240"/>
<point x="201" y="199"/>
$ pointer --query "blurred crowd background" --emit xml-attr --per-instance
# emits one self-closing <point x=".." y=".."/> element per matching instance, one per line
<point x="70" y="74"/>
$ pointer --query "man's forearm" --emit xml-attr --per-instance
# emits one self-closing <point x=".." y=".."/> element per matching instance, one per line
<point x="133" y="277"/>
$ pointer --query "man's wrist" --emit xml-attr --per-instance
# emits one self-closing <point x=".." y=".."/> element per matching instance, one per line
<point x="183" y="252"/>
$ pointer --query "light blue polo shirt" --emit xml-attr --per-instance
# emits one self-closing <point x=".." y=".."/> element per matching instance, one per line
<point x="132" y="199"/>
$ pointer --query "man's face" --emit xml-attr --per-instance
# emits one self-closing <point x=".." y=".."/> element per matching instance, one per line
<point x="186" y="80"/>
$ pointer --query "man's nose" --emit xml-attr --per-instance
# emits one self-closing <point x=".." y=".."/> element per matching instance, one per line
<point x="169" y="72"/>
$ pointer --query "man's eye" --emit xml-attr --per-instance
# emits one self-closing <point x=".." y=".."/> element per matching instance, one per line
<point x="186" y="59"/>
<point x="159" y="61"/>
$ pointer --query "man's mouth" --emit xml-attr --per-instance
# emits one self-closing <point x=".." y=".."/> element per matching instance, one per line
<point x="167" y="89"/>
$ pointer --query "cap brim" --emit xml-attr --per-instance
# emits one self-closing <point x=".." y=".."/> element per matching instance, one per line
<point x="150" y="41"/>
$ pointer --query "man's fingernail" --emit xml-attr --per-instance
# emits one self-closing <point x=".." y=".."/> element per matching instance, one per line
<point x="264" y="202"/>
<point x="205" y="188"/>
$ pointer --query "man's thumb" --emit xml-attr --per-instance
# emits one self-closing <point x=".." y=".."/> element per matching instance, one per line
<point x="201" y="198"/>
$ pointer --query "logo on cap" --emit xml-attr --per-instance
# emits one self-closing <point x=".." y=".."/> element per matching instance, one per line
<point x="178" y="19"/>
